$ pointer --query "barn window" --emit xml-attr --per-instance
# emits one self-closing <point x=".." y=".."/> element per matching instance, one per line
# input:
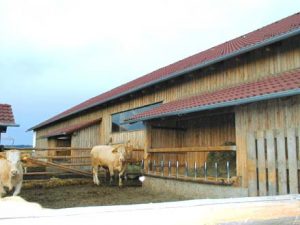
<point x="118" y="119"/>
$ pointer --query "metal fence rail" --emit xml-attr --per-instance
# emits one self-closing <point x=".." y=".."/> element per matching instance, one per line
<point x="184" y="171"/>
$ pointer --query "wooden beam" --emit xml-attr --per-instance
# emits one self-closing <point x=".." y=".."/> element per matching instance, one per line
<point x="251" y="164"/>
<point x="169" y="128"/>
<point x="57" y="166"/>
<point x="194" y="149"/>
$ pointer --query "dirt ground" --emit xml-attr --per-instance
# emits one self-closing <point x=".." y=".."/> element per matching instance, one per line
<point x="59" y="193"/>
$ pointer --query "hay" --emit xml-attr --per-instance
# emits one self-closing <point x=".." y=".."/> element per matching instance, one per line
<point x="54" y="182"/>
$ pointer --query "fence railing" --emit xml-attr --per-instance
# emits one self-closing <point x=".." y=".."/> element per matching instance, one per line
<point x="66" y="157"/>
<point x="207" y="171"/>
<point x="210" y="169"/>
<point x="70" y="157"/>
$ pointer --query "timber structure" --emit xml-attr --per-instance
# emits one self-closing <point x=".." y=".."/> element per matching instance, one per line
<point x="242" y="96"/>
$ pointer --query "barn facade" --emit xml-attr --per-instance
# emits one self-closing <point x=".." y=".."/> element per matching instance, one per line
<point x="242" y="96"/>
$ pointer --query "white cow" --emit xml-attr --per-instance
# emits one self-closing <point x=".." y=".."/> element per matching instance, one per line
<point x="11" y="172"/>
<point x="111" y="157"/>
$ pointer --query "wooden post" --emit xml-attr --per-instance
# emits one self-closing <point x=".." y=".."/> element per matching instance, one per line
<point x="251" y="163"/>
<point x="292" y="161"/>
<point x="261" y="161"/>
<point x="241" y="131"/>
<point x="271" y="162"/>
<point x="281" y="159"/>
<point x="147" y="145"/>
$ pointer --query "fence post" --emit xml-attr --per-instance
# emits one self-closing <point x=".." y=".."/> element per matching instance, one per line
<point x="186" y="169"/>
<point x="154" y="166"/>
<point x="228" y="170"/>
<point x="195" y="170"/>
<point x="169" y="168"/>
<point x="142" y="165"/>
<point x="149" y="164"/>
<point x="205" y="171"/>
<point x="162" y="168"/>
<point x="177" y="165"/>
<point x="216" y="167"/>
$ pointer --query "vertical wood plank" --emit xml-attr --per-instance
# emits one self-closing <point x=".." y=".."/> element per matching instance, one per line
<point x="147" y="145"/>
<point x="292" y="161"/>
<point x="271" y="162"/>
<point x="281" y="160"/>
<point x="261" y="164"/>
<point x="298" y="134"/>
<point x="252" y="181"/>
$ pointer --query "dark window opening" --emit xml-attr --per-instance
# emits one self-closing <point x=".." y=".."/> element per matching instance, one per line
<point x="64" y="141"/>
<point x="118" y="119"/>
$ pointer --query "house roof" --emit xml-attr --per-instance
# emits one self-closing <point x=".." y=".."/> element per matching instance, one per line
<point x="285" y="84"/>
<point x="269" y="34"/>
<point x="6" y="116"/>
<point x="71" y="129"/>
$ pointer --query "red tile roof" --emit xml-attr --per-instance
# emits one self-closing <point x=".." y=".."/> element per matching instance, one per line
<point x="285" y="84"/>
<point x="253" y="39"/>
<point x="72" y="128"/>
<point x="6" y="115"/>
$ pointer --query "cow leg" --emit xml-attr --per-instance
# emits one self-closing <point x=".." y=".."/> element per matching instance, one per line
<point x="2" y="191"/>
<point x="95" y="175"/>
<point x="17" y="189"/>
<point x="120" y="176"/>
<point x="111" y="173"/>
<point x="120" y="180"/>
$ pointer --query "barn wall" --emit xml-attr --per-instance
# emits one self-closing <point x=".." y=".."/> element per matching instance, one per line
<point x="137" y="138"/>
<point x="205" y="130"/>
<point x="41" y="142"/>
<point x="273" y="114"/>
<point x="249" y="67"/>
<point x="87" y="137"/>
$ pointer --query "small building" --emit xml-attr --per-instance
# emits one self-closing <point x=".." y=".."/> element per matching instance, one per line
<point x="242" y="96"/>
<point x="6" y="118"/>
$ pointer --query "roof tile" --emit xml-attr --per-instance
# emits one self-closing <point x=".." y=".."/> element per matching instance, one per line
<point x="284" y="82"/>
<point x="72" y="128"/>
<point x="6" y="115"/>
<point x="275" y="29"/>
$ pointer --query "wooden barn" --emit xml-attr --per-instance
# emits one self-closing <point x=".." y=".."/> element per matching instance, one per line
<point x="6" y="118"/>
<point x="240" y="98"/>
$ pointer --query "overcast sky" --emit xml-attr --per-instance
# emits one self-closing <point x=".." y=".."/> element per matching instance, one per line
<point x="55" y="54"/>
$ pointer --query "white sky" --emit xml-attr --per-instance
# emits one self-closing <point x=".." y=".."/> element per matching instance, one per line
<point x="55" y="54"/>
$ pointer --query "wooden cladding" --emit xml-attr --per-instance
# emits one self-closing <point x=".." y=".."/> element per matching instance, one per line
<point x="194" y="149"/>
<point x="273" y="162"/>
<point x="249" y="67"/>
<point x="87" y="137"/>
<point x="216" y="130"/>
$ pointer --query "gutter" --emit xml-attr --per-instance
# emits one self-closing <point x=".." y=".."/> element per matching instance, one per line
<point x="187" y="70"/>
<point x="223" y="104"/>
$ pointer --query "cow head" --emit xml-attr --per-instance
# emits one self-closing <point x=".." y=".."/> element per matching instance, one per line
<point x="14" y="159"/>
<point x="124" y="150"/>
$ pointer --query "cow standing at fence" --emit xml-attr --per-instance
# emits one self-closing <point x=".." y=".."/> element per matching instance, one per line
<point x="11" y="172"/>
<point x="111" y="157"/>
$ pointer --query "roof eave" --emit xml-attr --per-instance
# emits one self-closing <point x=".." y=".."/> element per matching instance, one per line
<point x="223" y="104"/>
<point x="187" y="70"/>
<point x="9" y="124"/>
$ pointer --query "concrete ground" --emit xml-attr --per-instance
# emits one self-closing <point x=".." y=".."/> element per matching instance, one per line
<point x="250" y="210"/>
